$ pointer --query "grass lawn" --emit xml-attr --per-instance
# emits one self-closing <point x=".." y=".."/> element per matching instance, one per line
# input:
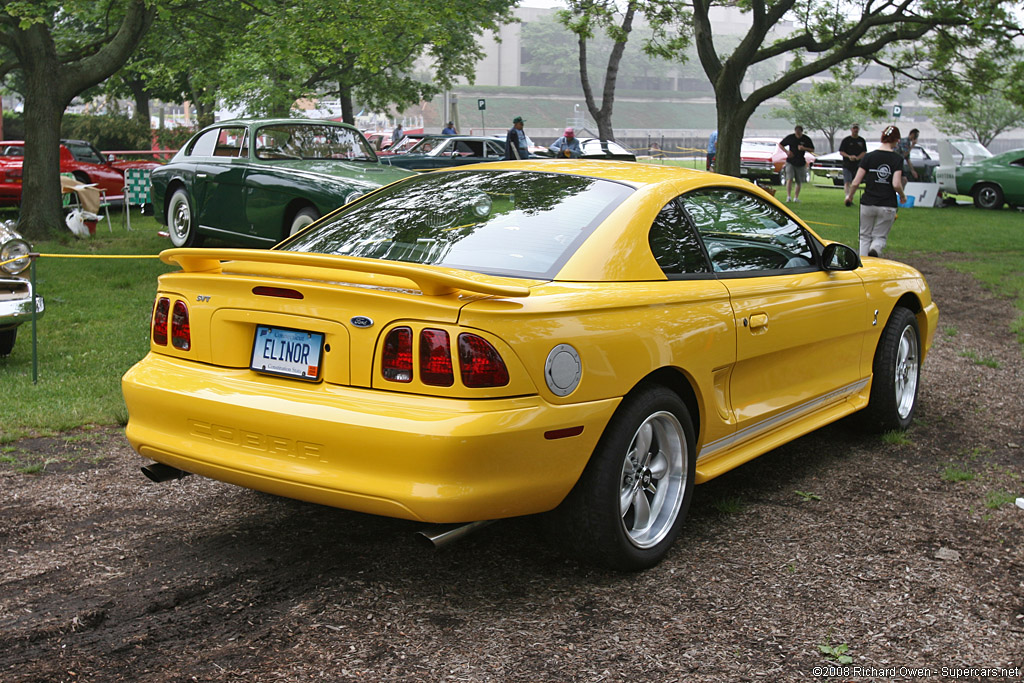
<point x="97" y="316"/>
<point x="95" y="327"/>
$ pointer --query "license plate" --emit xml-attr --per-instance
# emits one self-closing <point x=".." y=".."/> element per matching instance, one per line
<point x="288" y="353"/>
<point x="743" y="171"/>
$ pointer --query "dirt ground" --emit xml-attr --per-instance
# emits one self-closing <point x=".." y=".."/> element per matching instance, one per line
<point x="910" y="555"/>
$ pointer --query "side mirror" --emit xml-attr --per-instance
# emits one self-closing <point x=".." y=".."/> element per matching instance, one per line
<point x="840" y="257"/>
<point x="111" y="158"/>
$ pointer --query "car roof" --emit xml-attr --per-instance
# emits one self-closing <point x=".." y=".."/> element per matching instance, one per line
<point x="279" y="121"/>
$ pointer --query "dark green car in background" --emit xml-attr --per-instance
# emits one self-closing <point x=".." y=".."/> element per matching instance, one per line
<point x="254" y="182"/>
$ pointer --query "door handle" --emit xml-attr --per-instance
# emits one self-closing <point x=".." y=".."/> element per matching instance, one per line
<point x="200" y="175"/>
<point x="758" y="320"/>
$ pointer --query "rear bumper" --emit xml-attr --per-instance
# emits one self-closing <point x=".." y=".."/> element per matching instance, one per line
<point x="398" y="455"/>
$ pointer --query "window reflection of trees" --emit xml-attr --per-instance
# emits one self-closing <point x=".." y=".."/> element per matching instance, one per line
<point x="674" y="243"/>
<point x="509" y="222"/>
<point x="742" y="232"/>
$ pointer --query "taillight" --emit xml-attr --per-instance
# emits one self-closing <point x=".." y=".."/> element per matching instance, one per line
<point x="160" y="313"/>
<point x="436" y="358"/>
<point x="479" y="363"/>
<point x="181" y="335"/>
<point x="396" y="364"/>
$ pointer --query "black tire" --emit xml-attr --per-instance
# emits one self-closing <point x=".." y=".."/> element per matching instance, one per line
<point x="302" y="218"/>
<point x="7" y="338"/>
<point x="181" y="221"/>
<point x="988" y="196"/>
<point x="895" y="374"/>
<point x="644" y="462"/>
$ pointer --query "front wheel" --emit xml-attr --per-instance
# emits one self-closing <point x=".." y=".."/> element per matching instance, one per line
<point x="630" y="502"/>
<point x="303" y="218"/>
<point x="988" y="196"/>
<point x="181" y="222"/>
<point x="895" y="374"/>
<point x="7" y="338"/>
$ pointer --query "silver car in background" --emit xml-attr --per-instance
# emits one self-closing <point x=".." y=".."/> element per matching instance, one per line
<point x="16" y="298"/>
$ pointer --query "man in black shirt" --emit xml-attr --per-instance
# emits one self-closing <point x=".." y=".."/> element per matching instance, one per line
<point x="794" y="145"/>
<point x="852" y="149"/>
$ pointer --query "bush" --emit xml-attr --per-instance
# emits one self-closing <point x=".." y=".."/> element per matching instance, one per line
<point x="106" y="131"/>
<point x="103" y="131"/>
<point x="173" y="138"/>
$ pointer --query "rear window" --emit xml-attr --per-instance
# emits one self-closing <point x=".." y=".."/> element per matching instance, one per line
<point x="514" y="223"/>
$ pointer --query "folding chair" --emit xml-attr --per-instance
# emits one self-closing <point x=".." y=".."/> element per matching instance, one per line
<point x="136" y="191"/>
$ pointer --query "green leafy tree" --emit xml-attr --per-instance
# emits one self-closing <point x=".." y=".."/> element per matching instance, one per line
<point x="831" y="106"/>
<point x="589" y="18"/>
<point x="360" y="51"/>
<point x="828" y="34"/>
<point x="60" y="48"/>
<point x="980" y="95"/>
<point x="983" y="117"/>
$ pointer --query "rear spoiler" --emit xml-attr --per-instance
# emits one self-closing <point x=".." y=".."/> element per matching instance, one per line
<point x="430" y="281"/>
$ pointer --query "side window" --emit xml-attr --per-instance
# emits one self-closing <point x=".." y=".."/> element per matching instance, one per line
<point x="743" y="233"/>
<point x="495" y="149"/>
<point x="205" y="144"/>
<point x="229" y="142"/>
<point x="674" y="242"/>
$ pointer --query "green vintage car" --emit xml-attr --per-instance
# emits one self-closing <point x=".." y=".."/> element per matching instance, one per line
<point x="994" y="181"/>
<point x="254" y="182"/>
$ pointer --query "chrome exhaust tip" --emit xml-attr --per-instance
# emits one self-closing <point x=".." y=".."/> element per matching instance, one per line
<point x="445" y="534"/>
<point x="159" y="472"/>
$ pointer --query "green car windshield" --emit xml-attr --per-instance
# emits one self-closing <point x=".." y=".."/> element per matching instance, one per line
<point x="512" y="223"/>
<point x="311" y="141"/>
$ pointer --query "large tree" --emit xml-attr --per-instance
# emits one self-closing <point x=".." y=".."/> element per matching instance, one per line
<point x="830" y="106"/>
<point x="360" y="51"/>
<point x="589" y="18"/>
<point x="61" y="48"/>
<point x="826" y="34"/>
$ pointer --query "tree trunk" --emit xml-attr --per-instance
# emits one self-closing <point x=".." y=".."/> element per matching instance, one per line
<point x="41" y="212"/>
<point x="733" y="114"/>
<point x="345" y="98"/>
<point x="141" y="97"/>
<point x="50" y="85"/>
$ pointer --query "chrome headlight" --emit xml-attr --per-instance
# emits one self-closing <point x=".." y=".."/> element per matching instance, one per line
<point x="481" y="205"/>
<point x="14" y="256"/>
<point x="352" y="196"/>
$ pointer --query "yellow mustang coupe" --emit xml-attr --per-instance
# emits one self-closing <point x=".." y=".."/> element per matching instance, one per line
<point x="588" y="338"/>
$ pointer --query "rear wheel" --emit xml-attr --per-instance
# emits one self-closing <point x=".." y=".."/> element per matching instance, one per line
<point x="630" y="502"/>
<point x="7" y="338"/>
<point x="181" y="221"/>
<point x="896" y="371"/>
<point x="988" y="196"/>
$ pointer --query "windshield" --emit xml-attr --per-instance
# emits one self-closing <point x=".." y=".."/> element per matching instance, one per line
<point x="513" y="223"/>
<point x="427" y="145"/>
<point x="312" y="141"/>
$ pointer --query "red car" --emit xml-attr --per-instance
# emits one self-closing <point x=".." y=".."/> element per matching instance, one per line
<point x="76" y="156"/>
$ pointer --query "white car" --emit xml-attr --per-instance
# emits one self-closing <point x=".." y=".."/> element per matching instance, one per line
<point x="16" y="298"/>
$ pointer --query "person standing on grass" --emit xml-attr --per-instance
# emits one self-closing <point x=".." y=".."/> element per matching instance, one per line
<point x="712" y="149"/>
<point x="852" y="149"/>
<point x="882" y="173"/>
<point x="903" y="148"/>
<point x="795" y="145"/>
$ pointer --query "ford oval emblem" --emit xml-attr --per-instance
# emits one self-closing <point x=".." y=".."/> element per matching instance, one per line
<point x="362" y="321"/>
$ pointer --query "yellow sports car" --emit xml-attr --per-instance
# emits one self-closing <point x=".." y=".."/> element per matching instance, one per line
<point x="587" y="338"/>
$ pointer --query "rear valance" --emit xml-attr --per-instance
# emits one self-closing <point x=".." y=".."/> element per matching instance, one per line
<point x="430" y="281"/>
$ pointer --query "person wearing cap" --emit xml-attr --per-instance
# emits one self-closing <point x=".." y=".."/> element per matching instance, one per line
<point x="516" y="146"/>
<point x="449" y="129"/>
<point x="567" y="146"/>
